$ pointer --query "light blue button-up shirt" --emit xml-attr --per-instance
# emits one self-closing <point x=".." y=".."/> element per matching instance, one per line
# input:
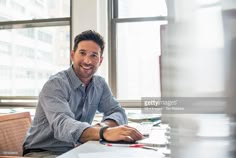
<point x="66" y="108"/>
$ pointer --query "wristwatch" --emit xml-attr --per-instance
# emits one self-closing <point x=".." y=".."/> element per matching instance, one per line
<point x="102" y="129"/>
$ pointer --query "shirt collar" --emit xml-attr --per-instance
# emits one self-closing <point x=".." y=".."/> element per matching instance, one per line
<point x="76" y="82"/>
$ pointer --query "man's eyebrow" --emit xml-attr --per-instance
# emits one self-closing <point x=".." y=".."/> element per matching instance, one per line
<point x="84" y="50"/>
<point x="95" y="53"/>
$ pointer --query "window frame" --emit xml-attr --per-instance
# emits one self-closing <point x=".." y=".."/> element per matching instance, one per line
<point x="113" y="20"/>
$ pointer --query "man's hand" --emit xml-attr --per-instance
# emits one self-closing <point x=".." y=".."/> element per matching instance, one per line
<point x="117" y="133"/>
<point x="124" y="132"/>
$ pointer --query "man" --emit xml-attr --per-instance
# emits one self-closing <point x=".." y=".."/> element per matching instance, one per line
<point x="68" y="102"/>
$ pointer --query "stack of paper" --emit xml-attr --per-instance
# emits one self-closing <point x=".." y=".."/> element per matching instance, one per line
<point x="139" y="117"/>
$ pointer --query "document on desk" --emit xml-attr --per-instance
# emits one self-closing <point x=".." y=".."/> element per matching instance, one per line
<point x="156" y="139"/>
<point x="138" y="153"/>
<point x="140" y="117"/>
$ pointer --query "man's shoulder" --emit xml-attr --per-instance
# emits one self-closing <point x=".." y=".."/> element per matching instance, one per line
<point x="99" y="82"/>
<point x="98" y="79"/>
<point x="57" y="83"/>
<point x="59" y="78"/>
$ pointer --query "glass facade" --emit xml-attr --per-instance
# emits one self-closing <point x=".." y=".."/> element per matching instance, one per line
<point x="137" y="47"/>
<point x="29" y="55"/>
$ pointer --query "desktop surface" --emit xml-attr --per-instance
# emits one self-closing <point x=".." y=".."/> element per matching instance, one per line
<point x="190" y="136"/>
<point x="151" y="147"/>
<point x="155" y="139"/>
<point x="93" y="149"/>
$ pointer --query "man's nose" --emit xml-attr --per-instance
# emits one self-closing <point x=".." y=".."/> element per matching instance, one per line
<point x="87" y="60"/>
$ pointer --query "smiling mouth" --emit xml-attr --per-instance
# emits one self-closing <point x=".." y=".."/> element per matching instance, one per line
<point x="86" y="67"/>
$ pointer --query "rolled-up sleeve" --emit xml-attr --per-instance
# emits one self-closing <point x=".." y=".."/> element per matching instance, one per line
<point x="54" y="101"/>
<point x="110" y="107"/>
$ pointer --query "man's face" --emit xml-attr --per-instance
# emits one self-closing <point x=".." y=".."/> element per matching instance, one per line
<point x="86" y="60"/>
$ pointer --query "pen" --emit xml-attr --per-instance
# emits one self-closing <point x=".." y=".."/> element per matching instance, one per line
<point x="129" y="145"/>
<point x="133" y="146"/>
<point x="148" y="147"/>
<point x="126" y="145"/>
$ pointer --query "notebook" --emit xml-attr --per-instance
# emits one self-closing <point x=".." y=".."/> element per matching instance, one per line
<point x="157" y="138"/>
<point x="139" y="117"/>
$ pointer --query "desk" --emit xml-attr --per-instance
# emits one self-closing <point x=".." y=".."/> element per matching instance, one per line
<point x="194" y="136"/>
<point x="95" y="149"/>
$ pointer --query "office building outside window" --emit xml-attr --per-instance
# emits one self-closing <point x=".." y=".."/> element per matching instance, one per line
<point x="135" y="47"/>
<point x="34" y="44"/>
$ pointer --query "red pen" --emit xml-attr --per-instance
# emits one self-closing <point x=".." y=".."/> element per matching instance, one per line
<point x="127" y="145"/>
<point x="132" y="146"/>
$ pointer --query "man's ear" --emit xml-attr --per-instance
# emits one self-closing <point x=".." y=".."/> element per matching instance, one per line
<point x="72" y="53"/>
<point x="101" y="59"/>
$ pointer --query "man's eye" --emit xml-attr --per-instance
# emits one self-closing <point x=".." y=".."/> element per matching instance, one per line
<point x="94" y="55"/>
<point x="82" y="53"/>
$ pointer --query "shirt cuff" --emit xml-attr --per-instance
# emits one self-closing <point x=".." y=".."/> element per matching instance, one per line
<point x="83" y="126"/>
<point x="116" y="117"/>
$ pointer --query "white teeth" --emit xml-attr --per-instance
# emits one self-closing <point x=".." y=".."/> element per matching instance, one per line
<point x="86" y="67"/>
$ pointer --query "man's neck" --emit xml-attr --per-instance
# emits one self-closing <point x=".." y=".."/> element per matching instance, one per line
<point x="85" y="81"/>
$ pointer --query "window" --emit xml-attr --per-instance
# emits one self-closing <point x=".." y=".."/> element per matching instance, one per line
<point x="135" y="47"/>
<point x="32" y="38"/>
<point x="17" y="7"/>
<point x="34" y="9"/>
<point x="5" y="47"/>
<point x="3" y="2"/>
<point x="141" y="8"/>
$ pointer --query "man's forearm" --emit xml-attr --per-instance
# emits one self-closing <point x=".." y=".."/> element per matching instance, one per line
<point x="117" y="133"/>
<point x="91" y="133"/>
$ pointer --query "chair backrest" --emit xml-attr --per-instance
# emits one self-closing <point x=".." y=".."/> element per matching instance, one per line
<point x="13" y="129"/>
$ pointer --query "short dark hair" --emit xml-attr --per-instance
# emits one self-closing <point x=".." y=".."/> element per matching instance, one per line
<point x="89" y="35"/>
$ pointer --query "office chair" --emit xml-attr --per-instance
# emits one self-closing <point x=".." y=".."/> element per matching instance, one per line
<point x="13" y="129"/>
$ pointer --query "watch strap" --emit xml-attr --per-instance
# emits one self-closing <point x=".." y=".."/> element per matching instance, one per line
<point x="101" y="132"/>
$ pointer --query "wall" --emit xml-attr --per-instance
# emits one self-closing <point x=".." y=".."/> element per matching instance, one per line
<point x="91" y="15"/>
